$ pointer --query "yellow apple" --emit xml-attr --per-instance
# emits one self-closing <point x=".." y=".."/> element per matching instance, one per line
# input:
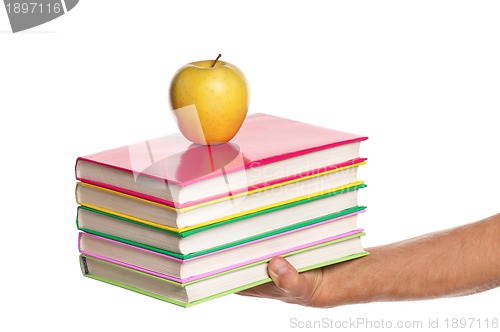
<point x="209" y="100"/>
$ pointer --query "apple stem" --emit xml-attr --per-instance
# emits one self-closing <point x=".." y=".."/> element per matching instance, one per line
<point x="215" y="61"/>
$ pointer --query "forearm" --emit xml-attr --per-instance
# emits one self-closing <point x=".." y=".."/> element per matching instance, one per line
<point x="453" y="262"/>
<point x="457" y="261"/>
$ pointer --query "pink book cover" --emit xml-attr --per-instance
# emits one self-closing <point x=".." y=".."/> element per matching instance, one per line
<point x="230" y="267"/>
<point x="262" y="139"/>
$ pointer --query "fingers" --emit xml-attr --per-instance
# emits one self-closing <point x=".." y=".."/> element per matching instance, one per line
<point x="288" y="280"/>
<point x="288" y="285"/>
<point x="267" y="290"/>
<point x="280" y="271"/>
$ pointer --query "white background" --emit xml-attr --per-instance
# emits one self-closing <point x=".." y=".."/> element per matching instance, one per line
<point x="420" y="78"/>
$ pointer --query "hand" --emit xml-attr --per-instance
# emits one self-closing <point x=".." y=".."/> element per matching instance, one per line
<point x="458" y="261"/>
<point x="314" y="288"/>
<point x="288" y="285"/>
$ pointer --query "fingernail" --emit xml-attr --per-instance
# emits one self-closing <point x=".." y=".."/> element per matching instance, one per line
<point x="279" y="267"/>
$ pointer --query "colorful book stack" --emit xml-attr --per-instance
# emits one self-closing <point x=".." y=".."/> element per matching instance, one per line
<point x="187" y="223"/>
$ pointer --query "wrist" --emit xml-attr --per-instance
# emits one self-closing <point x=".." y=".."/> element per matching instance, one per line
<point x="356" y="281"/>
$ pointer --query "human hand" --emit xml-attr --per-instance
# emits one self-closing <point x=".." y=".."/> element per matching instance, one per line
<point x="458" y="261"/>
<point x="292" y="287"/>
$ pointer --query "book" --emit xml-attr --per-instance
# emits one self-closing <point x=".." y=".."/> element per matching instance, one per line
<point x="187" y="223"/>
<point x="224" y="234"/>
<point x="267" y="150"/>
<point x="231" y="281"/>
<point x="177" y="220"/>
<point x="184" y="270"/>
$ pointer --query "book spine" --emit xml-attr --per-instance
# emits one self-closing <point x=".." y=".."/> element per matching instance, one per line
<point x="83" y="265"/>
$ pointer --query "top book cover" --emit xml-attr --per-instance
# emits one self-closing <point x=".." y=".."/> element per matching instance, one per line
<point x="267" y="150"/>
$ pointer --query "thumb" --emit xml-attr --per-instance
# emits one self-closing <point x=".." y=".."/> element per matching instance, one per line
<point x="286" y="277"/>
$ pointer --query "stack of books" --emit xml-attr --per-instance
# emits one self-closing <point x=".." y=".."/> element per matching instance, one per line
<point x="187" y="223"/>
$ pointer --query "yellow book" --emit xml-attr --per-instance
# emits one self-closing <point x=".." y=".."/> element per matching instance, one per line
<point x="180" y="220"/>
